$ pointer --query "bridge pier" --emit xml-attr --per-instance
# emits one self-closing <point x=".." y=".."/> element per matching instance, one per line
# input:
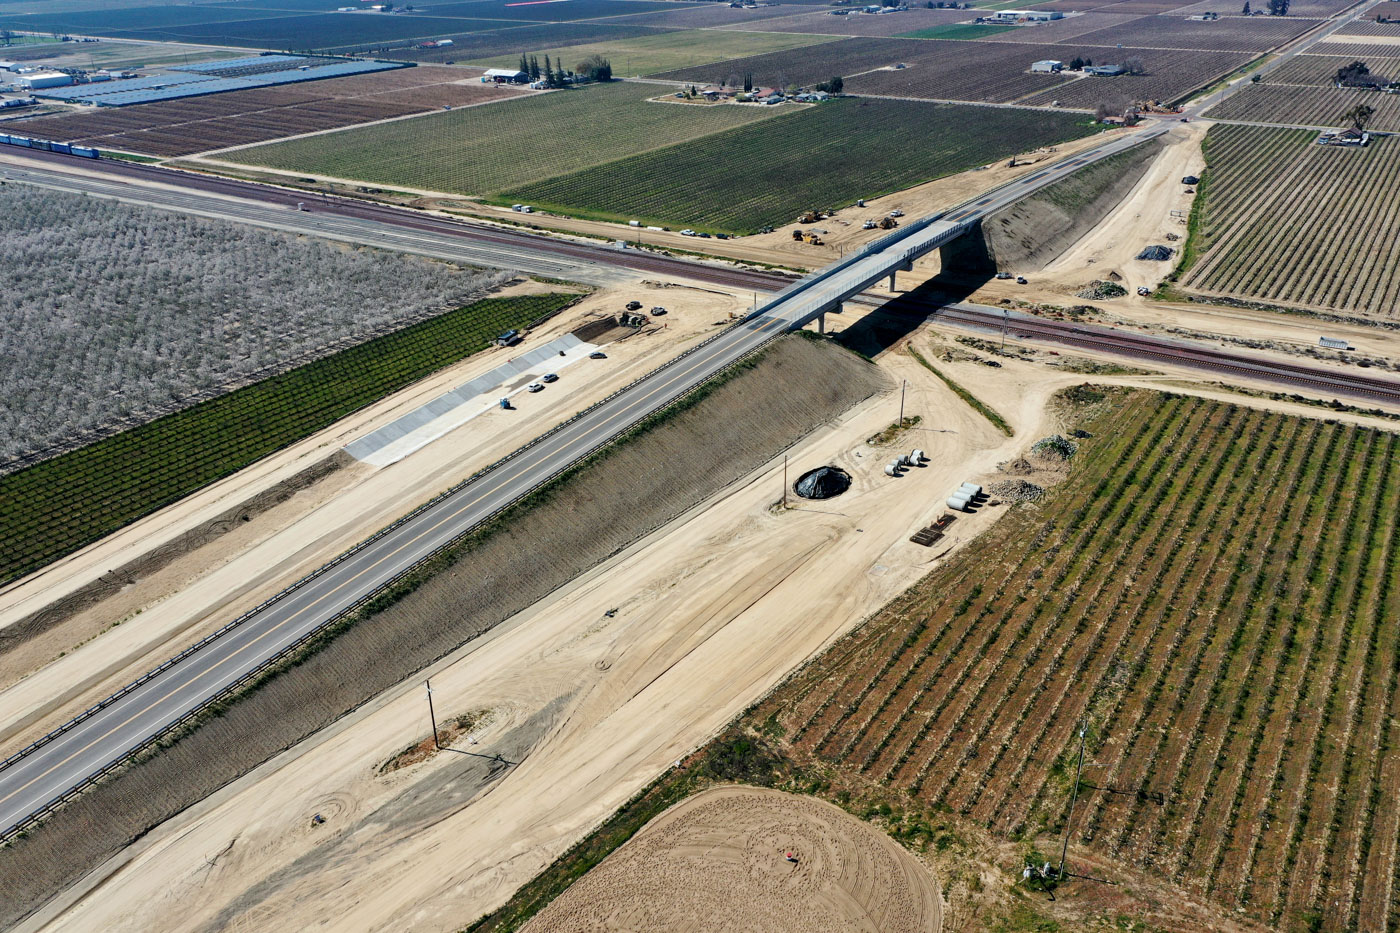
<point x="821" y="323"/>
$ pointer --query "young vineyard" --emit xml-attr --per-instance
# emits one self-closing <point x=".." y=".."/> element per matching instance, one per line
<point x="59" y="505"/>
<point x="1215" y="596"/>
<point x="802" y="159"/>
<point x="482" y="150"/>
<point x="1286" y="221"/>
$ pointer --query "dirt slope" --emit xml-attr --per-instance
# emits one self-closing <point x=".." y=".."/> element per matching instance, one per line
<point x="1029" y="234"/>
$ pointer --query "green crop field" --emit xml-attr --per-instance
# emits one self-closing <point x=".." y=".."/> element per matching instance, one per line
<point x="827" y="155"/>
<point x="1286" y="221"/>
<point x="957" y="31"/>
<point x="643" y="55"/>
<point x="59" y="505"/>
<point x="483" y="150"/>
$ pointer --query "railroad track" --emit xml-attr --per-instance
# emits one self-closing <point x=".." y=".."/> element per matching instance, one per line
<point x="1088" y="337"/>
<point x="1197" y="356"/>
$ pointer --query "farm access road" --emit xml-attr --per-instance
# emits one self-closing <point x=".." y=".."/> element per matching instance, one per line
<point x="41" y="775"/>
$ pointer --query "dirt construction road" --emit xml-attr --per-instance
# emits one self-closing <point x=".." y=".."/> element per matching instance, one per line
<point x="720" y="861"/>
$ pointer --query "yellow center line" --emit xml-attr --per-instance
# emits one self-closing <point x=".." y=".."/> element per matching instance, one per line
<point x="209" y="671"/>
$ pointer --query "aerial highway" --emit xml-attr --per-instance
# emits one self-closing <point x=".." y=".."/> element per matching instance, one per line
<point x="35" y="779"/>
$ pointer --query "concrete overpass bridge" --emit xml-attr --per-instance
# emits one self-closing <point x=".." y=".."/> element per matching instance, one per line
<point x="811" y="298"/>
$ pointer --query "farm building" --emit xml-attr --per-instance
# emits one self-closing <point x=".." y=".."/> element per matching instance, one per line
<point x="1029" y="16"/>
<point x="1204" y="17"/>
<point x="505" y="76"/>
<point x="42" y="79"/>
<point x="1103" y="71"/>
<point x="1387" y="12"/>
<point x="1047" y="66"/>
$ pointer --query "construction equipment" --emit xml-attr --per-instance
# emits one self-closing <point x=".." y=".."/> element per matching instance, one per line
<point x="808" y="217"/>
<point x="802" y="236"/>
<point x="1156" y="106"/>
<point x="888" y="223"/>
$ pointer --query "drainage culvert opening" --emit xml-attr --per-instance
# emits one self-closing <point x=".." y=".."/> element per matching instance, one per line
<point x="822" y="483"/>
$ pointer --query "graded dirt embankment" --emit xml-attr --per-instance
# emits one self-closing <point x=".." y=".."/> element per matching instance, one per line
<point x="1031" y="233"/>
<point x="634" y="487"/>
<point x="719" y="861"/>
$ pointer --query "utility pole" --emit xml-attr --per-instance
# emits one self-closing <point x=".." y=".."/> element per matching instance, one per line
<point x="431" y="715"/>
<point x="901" y="402"/>
<point x="784" y="480"/>
<point x="1005" y="317"/>
<point x="1069" y="820"/>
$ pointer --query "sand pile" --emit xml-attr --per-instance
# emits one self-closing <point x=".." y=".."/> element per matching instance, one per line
<point x="719" y="861"/>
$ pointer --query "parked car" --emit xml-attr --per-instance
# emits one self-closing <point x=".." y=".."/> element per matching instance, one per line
<point x="535" y="387"/>
<point x="550" y="377"/>
<point x="597" y="355"/>
<point x="687" y="233"/>
<point x="634" y="305"/>
<point x="869" y="225"/>
<point x="896" y="213"/>
<point x="658" y="311"/>
<point x="1003" y="275"/>
<point x="1020" y="280"/>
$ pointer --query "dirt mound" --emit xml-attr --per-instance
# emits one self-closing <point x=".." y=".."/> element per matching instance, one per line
<point x="823" y="483"/>
<point x="1016" y="490"/>
<point x="1056" y="447"/>
<point x="1157" y="253"/>
<point x="1018" y="467"/>
<point x="753" y="860"/>
<point x="622" y="494"/>
<point x="1101" y="290"/>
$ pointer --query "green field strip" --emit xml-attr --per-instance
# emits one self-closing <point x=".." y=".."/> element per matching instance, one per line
<point x="482" y="150"/>
<point x="61" y="504"/>
<point x="667" y="51"/>
<point x="826" y="155"/>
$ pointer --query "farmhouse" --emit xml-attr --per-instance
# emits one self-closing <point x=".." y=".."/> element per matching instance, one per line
<point x="1350" y="136"/>
<point x="504" y="76"/>
<point x="1048" y="66"/>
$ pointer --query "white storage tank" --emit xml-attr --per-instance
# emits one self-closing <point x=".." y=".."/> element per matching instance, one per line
<point x="972" y="489"/>
<point x="917" y="456"/>
<point x="894" y="465"/>
<point x="958" y="502"/>
<point x="891" y="469"/>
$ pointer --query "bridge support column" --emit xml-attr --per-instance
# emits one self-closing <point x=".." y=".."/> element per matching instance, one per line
<point x="892" y="273"/>
<point x="821" y="323"/>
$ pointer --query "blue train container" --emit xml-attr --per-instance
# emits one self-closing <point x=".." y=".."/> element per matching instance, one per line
<point x="43" y="144"/>
<point x="85" y="152"/>
<point x="20" y="141"/>
<point x="62" y="147"/>
<point x="5" y="138"/>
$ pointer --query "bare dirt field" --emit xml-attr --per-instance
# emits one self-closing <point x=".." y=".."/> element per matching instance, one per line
<point x="720" y="861"/>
